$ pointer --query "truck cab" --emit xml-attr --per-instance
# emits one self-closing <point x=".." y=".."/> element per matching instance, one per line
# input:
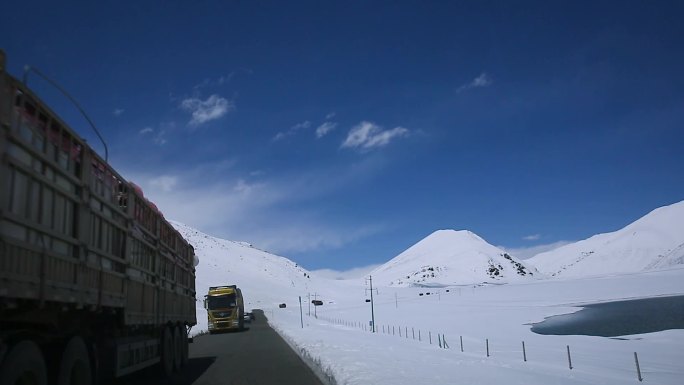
<point x="225" y="308"/>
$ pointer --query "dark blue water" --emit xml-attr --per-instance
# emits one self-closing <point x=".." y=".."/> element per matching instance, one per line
<point x="621" y="318"/>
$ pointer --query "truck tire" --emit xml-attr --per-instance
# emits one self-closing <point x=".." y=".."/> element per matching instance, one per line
<point x="167" y="351"/>
<point x="23" y="364"/>
<point x="185" y="346"/>
<point x="74" y="368"/>
<point x="177" y="349"/>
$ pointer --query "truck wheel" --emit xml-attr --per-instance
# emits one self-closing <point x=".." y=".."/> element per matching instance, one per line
<point x="177" y="349"/>
<point x="185" y="346"/>
<point x="74" y="369"/>
<point x="23" y="364"/>
<point x="167" y="352"/>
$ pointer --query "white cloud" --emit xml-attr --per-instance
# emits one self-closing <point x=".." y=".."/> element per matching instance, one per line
<point x="221" y="80"/>
<point x="214" y="107"/>
<point x="532" y="237"/>
<point x="243" y="187"/>
<point x="529" y="252"/>
<point x="269" y="212"/>
<point x="483" y="80"/>
<point x="118" y="111"/>
<point x="165" y="183"/>
<point x="330" y="116"/>
<point x="356" y="272"/>
<point x="293" y="130"/>
<point x="367" y="135"/>
<point x="159" y="138"/>
<point x="324" y="129"/>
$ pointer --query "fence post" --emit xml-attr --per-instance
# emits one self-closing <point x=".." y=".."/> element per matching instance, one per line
<point x="392" y="329"/>
<point x="487" y="342"/>
<point x="419" y="335"/>
<point x="406" y="331"/>
<point x="439" y="339"/>
<point x="446" y="346"/>
<point x="524" y="354"/>
<point x="399" y="331"/>
<point x="461" y="338"/>
<point x="430" y="334"/>
<point x="413" y="332"/>
<point x="569" y="359"/>
<point x="636" y="361"/>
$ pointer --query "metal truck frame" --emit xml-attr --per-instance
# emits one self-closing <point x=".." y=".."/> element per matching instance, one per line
<point x="222" y="316"/>
<point x="94" y="282"/>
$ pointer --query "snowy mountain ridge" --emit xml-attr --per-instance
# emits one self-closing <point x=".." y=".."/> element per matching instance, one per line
<point x="653" y="242"/>
<point x="450" y="257"/>
<point x="265" y="278"/>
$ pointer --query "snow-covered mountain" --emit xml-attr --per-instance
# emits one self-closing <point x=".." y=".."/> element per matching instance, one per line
<point x="449" y="257"/>
<point x="655" y="241"/>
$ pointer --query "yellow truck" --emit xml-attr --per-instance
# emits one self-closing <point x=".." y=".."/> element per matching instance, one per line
<point x="225" y="308"/>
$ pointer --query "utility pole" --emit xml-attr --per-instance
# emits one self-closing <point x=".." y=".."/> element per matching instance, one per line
<point x="301" y="316"/>
<point x="315" y="313"/>
<point x="370" y="279"/>
<point x="396" y="303"/>
<point x="309" y="304"/>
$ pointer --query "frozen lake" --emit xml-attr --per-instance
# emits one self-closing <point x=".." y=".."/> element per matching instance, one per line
<point x="620" y="318"/>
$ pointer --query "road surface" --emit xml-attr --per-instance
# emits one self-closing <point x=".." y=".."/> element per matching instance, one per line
<point x="254" y="356"/>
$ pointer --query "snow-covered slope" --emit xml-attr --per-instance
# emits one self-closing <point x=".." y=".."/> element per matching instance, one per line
<point x="449" y="257"/>
<point x="265" y="279"/>
<point x="655" y="241"/>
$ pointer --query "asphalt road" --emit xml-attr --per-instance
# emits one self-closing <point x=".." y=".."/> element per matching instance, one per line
<point x="254" y="356"/>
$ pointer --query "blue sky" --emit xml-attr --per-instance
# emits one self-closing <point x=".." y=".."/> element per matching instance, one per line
<point x="340" y="133"/>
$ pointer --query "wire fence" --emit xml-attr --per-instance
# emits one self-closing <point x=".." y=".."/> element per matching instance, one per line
<point x="439" y="340"/>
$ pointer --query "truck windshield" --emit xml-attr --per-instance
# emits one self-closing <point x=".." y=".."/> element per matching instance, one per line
<point x="221" y="301"/>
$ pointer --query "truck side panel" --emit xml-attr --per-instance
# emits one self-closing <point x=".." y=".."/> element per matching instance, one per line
<point x="74" y="232"/>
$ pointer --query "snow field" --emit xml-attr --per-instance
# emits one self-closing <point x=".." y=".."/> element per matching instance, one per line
<point x="498" y="313"/>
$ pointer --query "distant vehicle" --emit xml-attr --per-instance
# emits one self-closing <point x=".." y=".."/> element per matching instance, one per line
<point x="282" y="306"/>
<point x="225" y="308"/>
<point x="317" y="302"/>
<point x="420" y="294"/>
<point x="95" y="282"/>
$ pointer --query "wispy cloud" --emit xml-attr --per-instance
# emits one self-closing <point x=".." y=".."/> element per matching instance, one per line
<point x="158" y="137"/>
<point x="357" y="272"/>
<point x="292" y="130"/>
<point x="532" y="237"/>
<point x="368" y="135"/>
<point x="330" y="116"/>
<point x="324" y="129"/>
<point x="118" y="111"/>
<point x="165" y="183"/>
<point x="221" y="80"/>
<point x="203" y="111"/>
<point x="529" y="252"/>
<point x="232" y="204"/>
<point x="483" y="80"/>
